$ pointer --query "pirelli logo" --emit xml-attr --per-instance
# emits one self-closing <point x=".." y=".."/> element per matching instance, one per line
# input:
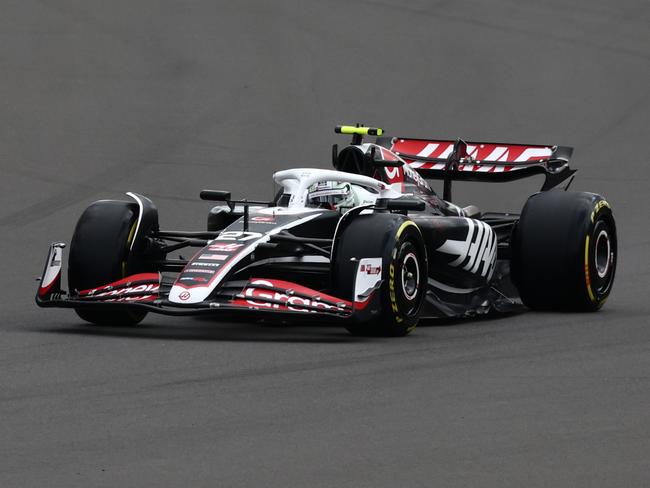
<point x="478" y="252"/>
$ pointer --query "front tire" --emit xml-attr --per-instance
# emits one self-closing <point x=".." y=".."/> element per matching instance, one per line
<point x="100" y="254"/>
<point x="565" y="251"/>
<point x="397" y="240"/>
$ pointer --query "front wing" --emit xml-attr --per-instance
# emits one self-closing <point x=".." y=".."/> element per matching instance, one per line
<point x="149" y="291"/>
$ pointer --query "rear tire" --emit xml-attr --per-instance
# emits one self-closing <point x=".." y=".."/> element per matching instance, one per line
<point x="565" y="251"/>
<point x="397" y="240"/>
<point x="100" y="254"/>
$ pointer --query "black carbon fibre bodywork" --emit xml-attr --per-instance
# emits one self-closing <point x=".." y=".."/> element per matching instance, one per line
<point x="472" y="280"/>
<point x="470" y="270"/>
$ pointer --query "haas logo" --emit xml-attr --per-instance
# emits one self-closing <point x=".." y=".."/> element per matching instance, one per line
<point x="478" y="252"/>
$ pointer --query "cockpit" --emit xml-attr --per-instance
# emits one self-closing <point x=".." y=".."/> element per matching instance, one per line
<point x="334" y="190"/>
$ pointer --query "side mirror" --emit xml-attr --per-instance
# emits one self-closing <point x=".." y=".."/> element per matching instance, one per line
<point x="405" y="204"/>
<point x="215" y="195"/>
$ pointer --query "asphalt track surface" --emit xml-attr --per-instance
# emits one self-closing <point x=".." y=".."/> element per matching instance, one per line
<point x="166" y="98"/>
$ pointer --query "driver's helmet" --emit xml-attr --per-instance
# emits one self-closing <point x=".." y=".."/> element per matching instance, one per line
<point x="334" y="195"/>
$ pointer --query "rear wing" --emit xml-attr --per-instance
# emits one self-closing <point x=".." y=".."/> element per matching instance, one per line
<point x="481" y="161"/>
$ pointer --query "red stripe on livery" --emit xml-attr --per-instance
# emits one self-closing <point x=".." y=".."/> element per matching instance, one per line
<point x="287" y="296"/>
<point x="142" y="287"/>
<point x="410" y="149"/>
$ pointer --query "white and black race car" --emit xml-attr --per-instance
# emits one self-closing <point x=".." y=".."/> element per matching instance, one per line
<point x="368" y="245"/>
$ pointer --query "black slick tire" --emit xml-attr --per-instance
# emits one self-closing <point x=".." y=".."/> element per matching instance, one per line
<point x="565" y="251"/>
<point x="99" y="254"/>
<point x="397" y="240"/>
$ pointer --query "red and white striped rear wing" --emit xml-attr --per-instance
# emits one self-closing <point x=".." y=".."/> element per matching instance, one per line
<point x="482" y="161"/>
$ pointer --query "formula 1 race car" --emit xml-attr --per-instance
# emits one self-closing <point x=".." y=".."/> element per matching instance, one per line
<point x="368" y="245"/>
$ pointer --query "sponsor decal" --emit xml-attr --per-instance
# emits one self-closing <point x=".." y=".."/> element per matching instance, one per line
<point x="260" y="297"/>
<point x="415" y="176"/>
<point x="150" y="288"/>
<point x="370" y="269"/>
<point x="215" y="265"/>
<point x="263" y="220"/>
<point x="205" y="271"/>
<point x="394" y="174"/>
<point x="199" y="279"/>
<point x="478" y="252"/>
<point x="184" y="295"/>
<point x="224" y="246"/>
<point x="214" y="257"/>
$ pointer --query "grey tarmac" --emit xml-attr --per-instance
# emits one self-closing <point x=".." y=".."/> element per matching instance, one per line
<point x="167" y="98"/>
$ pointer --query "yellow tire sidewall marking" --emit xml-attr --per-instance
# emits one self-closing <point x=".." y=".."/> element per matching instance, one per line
<point x="587" y="273"/>
<point x="391" y="274"/>
<point x="128" y="244"/>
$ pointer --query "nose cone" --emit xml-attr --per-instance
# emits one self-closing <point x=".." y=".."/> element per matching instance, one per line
<point x="182" y="295"/>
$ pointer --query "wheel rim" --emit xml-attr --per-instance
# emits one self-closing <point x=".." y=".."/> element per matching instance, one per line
<point x="410" y="276"/>
<point x="603" y="254"/>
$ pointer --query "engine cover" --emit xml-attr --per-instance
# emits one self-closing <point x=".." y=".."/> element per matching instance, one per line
<point x="461" y="251"/>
